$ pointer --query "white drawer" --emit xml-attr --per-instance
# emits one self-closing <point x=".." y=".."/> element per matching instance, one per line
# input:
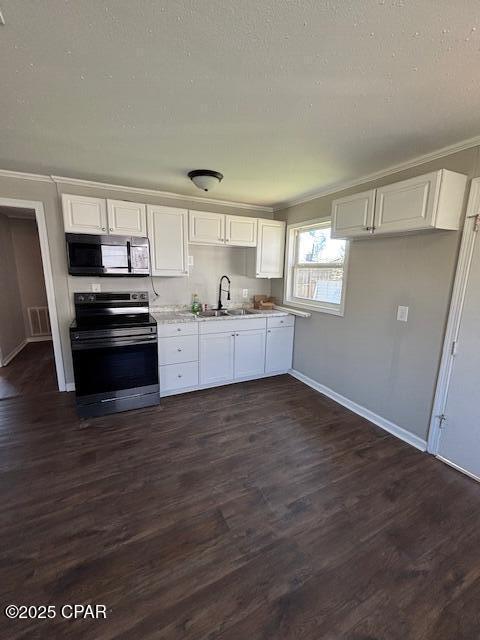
<point x="233" y="325"/>
<point x="280" y="321"/>
<point x="177" y="349"/>
<point x="177" y="329"/>
<point x="178" y="376"/>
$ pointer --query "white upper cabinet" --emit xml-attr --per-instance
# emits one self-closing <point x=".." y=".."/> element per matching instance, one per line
<point x="82" y="214"/>
<point x="206" y="228"/>
<point x="352" y="216"/>
<point x="126" y="218"/>
<point x="240" y="231"/>
<point x="270" y="249"/>
<point x="168" y="235"/>
<point x="431" y="201"/>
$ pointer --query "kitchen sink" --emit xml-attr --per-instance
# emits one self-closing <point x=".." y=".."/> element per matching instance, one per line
<point x="213" y="313"/>
<point x="240" y="312"/>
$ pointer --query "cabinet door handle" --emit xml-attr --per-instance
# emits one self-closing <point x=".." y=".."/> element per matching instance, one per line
<point x="180" y="375"/>
<point x="236" y="334"/>
<point x="179" y="329"/>
<point x="111" y="228"/>
<point x="179" y="350"/>
<point x="281" y="321"/>
<point x="233" y="335"/>
<point x="269" y="331"/>
<point x="369" y="228"/>
<point x="103" y="229"/>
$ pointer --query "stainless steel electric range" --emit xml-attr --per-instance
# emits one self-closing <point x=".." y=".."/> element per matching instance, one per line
<point x="115" y="353"/>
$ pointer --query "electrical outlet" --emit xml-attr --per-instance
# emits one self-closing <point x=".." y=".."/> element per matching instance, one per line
<point x="245" y="293"/>
<point x="96" y="287"/>
<point x="402" y="314"/>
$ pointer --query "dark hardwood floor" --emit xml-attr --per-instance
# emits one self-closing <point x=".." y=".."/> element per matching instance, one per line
<point x="256" y="511"/>
<point x="31" y="372"/>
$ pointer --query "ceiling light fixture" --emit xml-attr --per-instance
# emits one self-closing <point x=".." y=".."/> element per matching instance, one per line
<point x="205" y="179"/>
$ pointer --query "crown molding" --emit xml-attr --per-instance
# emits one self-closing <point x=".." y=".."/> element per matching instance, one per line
<point x="37" y="177"/>
<point x="20" y="175"/>
<point x="348" y="184"/>
<point x="162" y="194"/>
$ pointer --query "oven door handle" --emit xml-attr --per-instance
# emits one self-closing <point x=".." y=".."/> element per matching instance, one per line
<point x="112" y="342"/>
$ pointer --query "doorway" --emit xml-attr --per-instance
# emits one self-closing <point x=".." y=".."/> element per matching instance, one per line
<point x="30" y="353"/>
<point x="455" y="428"/>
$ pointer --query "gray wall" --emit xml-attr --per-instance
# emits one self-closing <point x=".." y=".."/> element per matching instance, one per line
<point x="368" y="356"/>
<point x="28" y="260"/>
<point x="12" y="328"/>
<point x="172" y="291"/>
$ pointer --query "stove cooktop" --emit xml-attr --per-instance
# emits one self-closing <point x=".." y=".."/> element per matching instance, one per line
<point x="112" y="322"/>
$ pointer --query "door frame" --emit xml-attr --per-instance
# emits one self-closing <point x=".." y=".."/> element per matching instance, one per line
<point x="470" y="233"/>
<point x="48" y="277"/>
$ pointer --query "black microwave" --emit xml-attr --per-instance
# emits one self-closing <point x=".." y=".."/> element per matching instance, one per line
<point x="94" y="255"/>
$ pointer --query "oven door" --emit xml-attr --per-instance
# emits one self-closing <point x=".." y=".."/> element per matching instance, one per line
<point x="97" y="255"/>
<point x="115" y="368"/>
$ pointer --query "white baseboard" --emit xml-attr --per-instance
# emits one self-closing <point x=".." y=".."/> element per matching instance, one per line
<point x="70" y="386"/>
<point x="391" y="427"/>
<point x="13" y="353"/>
<point x="39" y="339"/>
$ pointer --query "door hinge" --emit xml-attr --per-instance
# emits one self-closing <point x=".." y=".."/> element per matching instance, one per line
<point x="453" y="350"/>
<point x="441" y="419"/>
<point x="476" y="222"/>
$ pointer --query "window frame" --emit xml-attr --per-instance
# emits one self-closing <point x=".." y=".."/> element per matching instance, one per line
<point x="290" y="266"/>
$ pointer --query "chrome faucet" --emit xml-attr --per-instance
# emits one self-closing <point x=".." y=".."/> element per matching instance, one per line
<point x="227" y="291"/>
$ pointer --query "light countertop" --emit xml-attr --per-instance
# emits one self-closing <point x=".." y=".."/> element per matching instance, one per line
<point x="172" y="317"/>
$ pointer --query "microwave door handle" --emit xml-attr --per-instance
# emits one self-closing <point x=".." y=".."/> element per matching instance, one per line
<point x="129" y="256"/>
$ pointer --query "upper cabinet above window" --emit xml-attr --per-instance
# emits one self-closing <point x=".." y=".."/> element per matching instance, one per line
<point x="431" y="201"/>
<point x="83" y="214"/>
<point x="352" y="216"/>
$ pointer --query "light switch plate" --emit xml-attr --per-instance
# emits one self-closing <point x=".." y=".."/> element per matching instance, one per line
<point x="96" y="287"/>
<point x="245" y="293"/>
<point x="402" y="314"/>
<point x="190" y="261"/>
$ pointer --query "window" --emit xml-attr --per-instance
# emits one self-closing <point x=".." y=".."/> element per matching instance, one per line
<point x="316" y="268"/>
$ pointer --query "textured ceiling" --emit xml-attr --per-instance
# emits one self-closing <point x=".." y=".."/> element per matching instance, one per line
<point x="282" y="96"/>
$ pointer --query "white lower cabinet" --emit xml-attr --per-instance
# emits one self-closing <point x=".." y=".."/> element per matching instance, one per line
<point x="249" y="353"/>
<point x="217" y="357"/>
<point x="174" y="377"/>
<point x="205" y="354"/>
<point x="279" y="351"/>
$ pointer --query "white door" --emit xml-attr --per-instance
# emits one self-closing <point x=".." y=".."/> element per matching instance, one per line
<point x="249" y="353"/>
<point x="352" y="216"/>
<point x="270" y="249"/>
<point x="82" y="214"/>
<point x="459" y="442"/>
<point x="206" y="228"/>
<point x="407" y="205"/>
<point x="241" y="231"/>
<point x="216" y="357"/>
<point x="127" y="218"/>
<point x="279" y="350"/>
<point x="167" y="232"/>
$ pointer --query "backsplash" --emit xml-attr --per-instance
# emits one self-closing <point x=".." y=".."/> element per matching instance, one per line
<point x="209" y="264"/>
